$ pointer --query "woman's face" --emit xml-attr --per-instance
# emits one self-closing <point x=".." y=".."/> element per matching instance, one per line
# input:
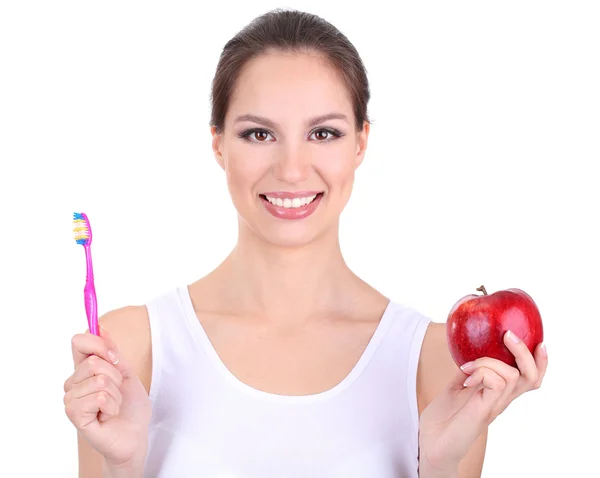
<point x="290" y="147"/>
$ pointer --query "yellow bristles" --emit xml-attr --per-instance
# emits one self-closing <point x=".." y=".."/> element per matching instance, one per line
<point x="80" y="229"/>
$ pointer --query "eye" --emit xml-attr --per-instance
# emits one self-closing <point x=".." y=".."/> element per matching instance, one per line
<point x="255" y="135"/>
<point x="325" y="135"/>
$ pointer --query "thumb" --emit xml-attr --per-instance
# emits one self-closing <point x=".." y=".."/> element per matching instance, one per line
<point x="115" y="356"/>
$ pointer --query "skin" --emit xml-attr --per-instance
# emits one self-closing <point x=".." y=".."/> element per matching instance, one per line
<point x="274" y="335"/>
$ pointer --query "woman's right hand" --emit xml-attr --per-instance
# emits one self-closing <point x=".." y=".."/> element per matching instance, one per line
<point x="107" y="402"/>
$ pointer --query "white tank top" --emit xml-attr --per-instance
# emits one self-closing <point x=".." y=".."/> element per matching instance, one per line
<point x="207" y="423"/>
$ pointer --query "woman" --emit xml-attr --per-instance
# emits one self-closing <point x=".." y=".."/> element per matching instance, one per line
<point x="282" y="362"/>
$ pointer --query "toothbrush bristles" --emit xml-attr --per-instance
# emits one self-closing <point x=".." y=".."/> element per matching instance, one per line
<point x="80" y="229"/>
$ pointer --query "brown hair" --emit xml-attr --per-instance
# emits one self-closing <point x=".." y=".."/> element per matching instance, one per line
<point x="289" y="31"/>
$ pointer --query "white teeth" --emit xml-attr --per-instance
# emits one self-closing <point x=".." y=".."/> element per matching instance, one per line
<point x="291" y="203"/>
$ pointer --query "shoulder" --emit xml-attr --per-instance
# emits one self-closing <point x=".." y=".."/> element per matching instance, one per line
<point x="129" y="327"/>
<point x="436" y="367"/>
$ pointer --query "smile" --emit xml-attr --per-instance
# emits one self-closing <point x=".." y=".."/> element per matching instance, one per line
<point x="287" y="205"/>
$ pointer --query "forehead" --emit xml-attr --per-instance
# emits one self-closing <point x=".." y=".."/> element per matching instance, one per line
<point x="293" y="85"/>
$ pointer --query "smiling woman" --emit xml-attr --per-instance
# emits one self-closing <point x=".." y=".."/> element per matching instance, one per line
<point x="281" y="361"/>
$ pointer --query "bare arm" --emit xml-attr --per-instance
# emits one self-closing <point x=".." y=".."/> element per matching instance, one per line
<point x="436" y="370"/>
<point x="130" y="329"/>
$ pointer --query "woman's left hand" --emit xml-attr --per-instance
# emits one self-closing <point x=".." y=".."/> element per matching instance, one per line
<point x="462" y="412"/>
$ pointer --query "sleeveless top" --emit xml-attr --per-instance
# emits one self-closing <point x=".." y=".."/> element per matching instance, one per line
<point x="208" y="423"/>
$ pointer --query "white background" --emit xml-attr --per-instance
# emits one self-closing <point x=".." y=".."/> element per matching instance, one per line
<point x="479" y="171"/>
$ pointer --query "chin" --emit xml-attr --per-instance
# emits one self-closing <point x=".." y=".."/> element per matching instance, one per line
<point x="289" y="234"/>
<point x="290" y="239"/>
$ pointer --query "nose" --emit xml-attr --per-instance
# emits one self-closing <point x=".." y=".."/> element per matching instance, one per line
<point x="292" y="165"/>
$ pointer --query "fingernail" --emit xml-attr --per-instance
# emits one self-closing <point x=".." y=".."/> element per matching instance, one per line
<point x="466" y="366"/>
<point x="113" y="356"/>
<point x="543" y="349"/>
<point x="513" y="337"/>
<point x="469" y="378"/>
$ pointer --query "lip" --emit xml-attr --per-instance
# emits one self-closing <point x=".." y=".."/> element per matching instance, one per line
<point x="289" y="213"/>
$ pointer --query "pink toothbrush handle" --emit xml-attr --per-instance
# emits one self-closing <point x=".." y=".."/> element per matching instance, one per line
<point x="89" y="294"/>
<point x="91" y="306"/>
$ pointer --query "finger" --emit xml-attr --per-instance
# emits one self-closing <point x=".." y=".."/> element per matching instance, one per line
<point x="84" y="345"/>
<point x="83" y="412"/>
<point x="541" y="361"/>
<point x="93" y="385"/>
<point x="511" y="375"/>
<point x="122" y="364"/>
<point x="492" y="384"/>
<point x="524" y="358"/>
<point x="458" y="381"/>
<point x="95" y="365"/>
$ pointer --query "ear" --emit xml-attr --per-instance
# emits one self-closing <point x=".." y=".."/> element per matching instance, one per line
<point x="361" y="147"/>
<point x="217" y="139"/>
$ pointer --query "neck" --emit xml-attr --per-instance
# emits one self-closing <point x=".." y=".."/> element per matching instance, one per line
<point x="286" y="283"/>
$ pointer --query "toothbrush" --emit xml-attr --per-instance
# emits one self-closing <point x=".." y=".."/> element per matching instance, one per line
<point x="83" y="236"/>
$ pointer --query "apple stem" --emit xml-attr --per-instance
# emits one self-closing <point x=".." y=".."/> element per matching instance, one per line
<point x="482" y="289"/>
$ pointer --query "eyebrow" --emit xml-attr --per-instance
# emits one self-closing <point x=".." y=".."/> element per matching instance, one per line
<point x="271" y="124"/>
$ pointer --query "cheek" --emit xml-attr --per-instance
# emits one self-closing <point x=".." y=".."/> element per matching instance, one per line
<point x="243" y="168"/>
<point x="338" y="171"/>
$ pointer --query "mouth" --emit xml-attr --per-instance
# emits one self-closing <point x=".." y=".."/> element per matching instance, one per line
<point x="284" y="205"/>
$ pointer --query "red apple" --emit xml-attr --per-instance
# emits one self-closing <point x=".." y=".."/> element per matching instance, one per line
<point x="477" y="323"/>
